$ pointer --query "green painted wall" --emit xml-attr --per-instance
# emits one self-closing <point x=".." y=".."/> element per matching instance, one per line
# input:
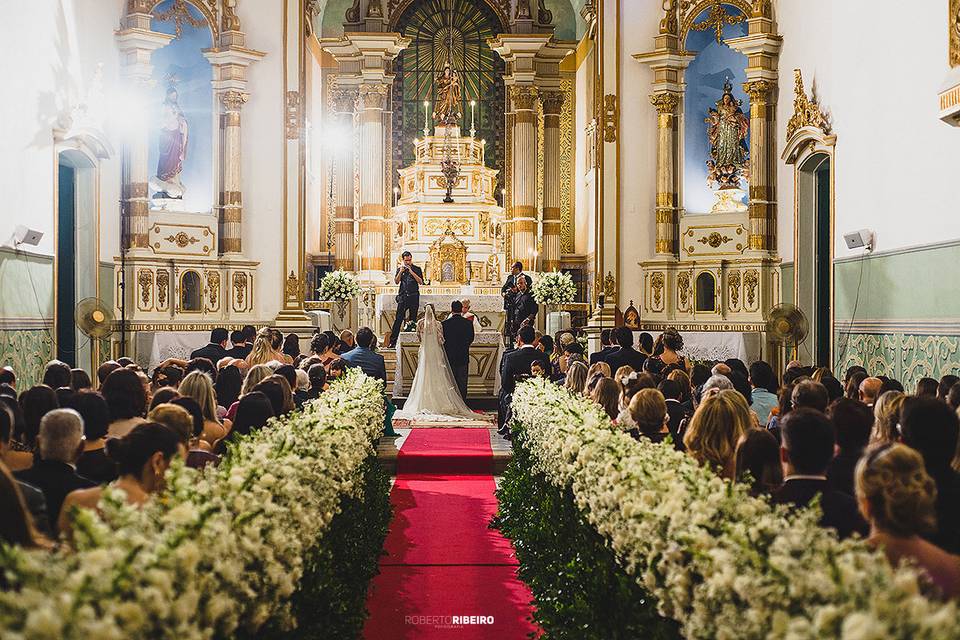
<point x="26" y="314"/>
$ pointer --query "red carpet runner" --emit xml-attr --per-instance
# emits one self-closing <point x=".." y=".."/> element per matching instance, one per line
<point x="446" y="573"/>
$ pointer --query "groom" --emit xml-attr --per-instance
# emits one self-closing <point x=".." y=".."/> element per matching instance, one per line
<point x="457" y="338"/>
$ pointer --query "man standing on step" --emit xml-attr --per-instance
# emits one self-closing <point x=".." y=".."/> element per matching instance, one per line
<point x="409" y="277"/>
<point x="458" y="335"/>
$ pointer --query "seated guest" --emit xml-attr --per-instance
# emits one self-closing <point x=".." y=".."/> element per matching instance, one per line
<point x="889" y="384"/>
<point x="323" y="348"/>
<point x="291" y="345"/>
<point x="851" y="371"/>
<point x="33" y="498"/>
<point x="362" y="356"/>
<point x="198" y="386"/>
<point x="601" y="368"/>
<point x="105" y="370"/>
<point x="126" y="400"/>
<point x="785" y="405"/>
<point x="606" y="347"/>
<point x="715" y="384"/>
<point x="254" y="413"/>
<point x="515" y="366"/>
<point x="35" y="402"/>
<point x="93" y="463"/>
<point x="927" y="387"/>
<point x="648" y="415"/>
<point x="303" y="388"/>
<point x="676" y="410"/>
<point x="79" y="380"/>
<point x="188" y="429"/>
<point x="607" y="394"/>
<point x="228" y="386"/>
<point x="162" y="396"/>
<point x="833" y="387"/>
<point x="347" y="341"/>
<point x="631" y="383"/>
<point x="721" y="369"/>
<point x="953" y="397"/>
<point x="946" y="383"/>
<point x="255" y="375"/>
<point x="16" y="458"/>
<point x="870" y="391"/>
<point x="669" y="357"/>
<point x="853" y="422"/>
<point x="192" y="407"/>
<point x="56" y="374"/>
<point x="931" y="428"/>
<point x="852" y="387"/>
<point x="576" y="378"/>
<point x="317" y="379"/>
<point x="239" y="349"/>
<point x="897" y="498"/>
<point x="682" y="378"/>
<point x="142" y="456"/>
<point x="886" y="417"/>
<point x="625" y="354"/>
<point x="645" y="344"/>
<point x="17" y="526"/>
<point x="216" y="349"/>
<point x="59" y="444"/>
<point x="337" y="368"/>
<point x="759" y="455"/>
<point x="711" y="438"/>
<point x="764" y="390"/>
<point x="167" y="376"/>
<point x="290" y="375"/>
<point x="806" y="451"/>
<point x="277" y="389"/>
<point x="809" y="394"/>
<point x="8" y="376"/>
<point x="571" y="352"/>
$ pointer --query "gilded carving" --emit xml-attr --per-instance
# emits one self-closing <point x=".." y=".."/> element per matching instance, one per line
<point x="181" y="239"/>
<point x="179" y="14"/>
<point x="656" y="283"/>
<point x="292" y="287"/>
<point x="544" y="15"/>
<point x="683" y="288"/>
<point x="163" y="285"/>
<point x="611" y="117"/>
<point x="229" y="21"/>
<point x="440" y="226"/>
<point x="751" y="279"/>
<point x="239" y="288"/>
<point x="373" y="96"/>
<point x="733" y="283"/>
<point x="567" y="171"/>
<point x="714" y="240"/>
<point x="665" y="103"/>
<point x="758" y="90"/>
<point x="232" y="100"/>
<point x="145" y="280"/>
<point x="669" y="22"/>
<point x="610" y="287"/>
<point x="717" y="20"/>
<point x="806" y="111"/>
<point x="213" y="288"/>
<point x="293" y="108"/>
<point x="523" y="97"/>
<point x="954" y="26"/>
<point x="762" y="9"/>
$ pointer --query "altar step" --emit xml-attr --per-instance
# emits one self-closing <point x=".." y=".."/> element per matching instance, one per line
<point x="388" y="448"/>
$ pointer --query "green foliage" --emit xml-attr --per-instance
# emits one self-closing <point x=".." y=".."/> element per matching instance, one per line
<point x="580" y="591"/>
<point x="330" y="603"/>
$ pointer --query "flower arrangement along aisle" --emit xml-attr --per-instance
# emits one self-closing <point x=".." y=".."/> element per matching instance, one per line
<point x="338" y="286"/>
<point x="217" y="554"/>
<point x="723" y="564"/>
<point x="554" y="288"/>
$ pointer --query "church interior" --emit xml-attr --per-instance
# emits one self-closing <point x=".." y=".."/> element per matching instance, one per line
<point x="732" y="171"/>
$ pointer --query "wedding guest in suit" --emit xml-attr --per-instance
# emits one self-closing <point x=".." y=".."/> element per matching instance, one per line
<point x="806" y="451"/>
<point x="54" y="472"/>
<point x="624" y="354"/>
<point x="458" y="335"/>
<point x="516" y="366"/>
<point x="216" y="349"/>
<point x="853" y="422"/>
<point x="525" y="308"/>
<point x="35" y="502"/>
<point x="870" y="391"/>
<point x="93" y="462"/>
<point x="241" y="348"/>
<point x="18" y="526"/>
<point x="509" y="292"/>
<point x="897" y="497"/>
<point x="606" y="347"/>
<point x="675" y="409"/>
<point x="370" y="362"/>
<point x="409" y="276"/>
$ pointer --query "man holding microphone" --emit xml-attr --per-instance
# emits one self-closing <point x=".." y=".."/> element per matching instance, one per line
<point x="409" y="276"/>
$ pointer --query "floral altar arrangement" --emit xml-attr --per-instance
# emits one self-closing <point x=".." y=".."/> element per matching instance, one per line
<point x="709" y="556"/>
<point x="218" y="553"/>
<point x="338" y="286"/>
<point x="554" y="288"/>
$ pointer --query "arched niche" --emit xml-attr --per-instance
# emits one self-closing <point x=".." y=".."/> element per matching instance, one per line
<point x="705" y="293"/>
<point x="191" y="292"/>
<point x="810" y="148"/>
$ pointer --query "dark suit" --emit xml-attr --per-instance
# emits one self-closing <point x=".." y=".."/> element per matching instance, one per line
<point x="510" y="296"/>
<point x="839" y="509"/>
<point x="524" y="308"/>
<point x="212" y="352"/>
<point x="408" y="300"/>
<point x="369" y="362"/>
<point x="601" y="356"/>
<point x="37" y="506"/>
<point x="458" y="335"/>
<point x="677" y="412"/>
<point x="514" y="367"/>
<point x="56" y="480"/>
<point x="240" y="352"/>
<point x="625" y="356"/>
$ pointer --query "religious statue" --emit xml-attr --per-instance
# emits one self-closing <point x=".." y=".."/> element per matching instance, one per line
<point x="447" y="110"/>
<point x="727" y="130"/>
<point x="172" y="147"/>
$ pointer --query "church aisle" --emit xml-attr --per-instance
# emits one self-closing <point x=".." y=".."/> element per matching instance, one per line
<point x="446" y="574"/>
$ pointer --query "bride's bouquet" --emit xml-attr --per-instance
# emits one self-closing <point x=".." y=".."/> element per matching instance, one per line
<point x="338" y="286"/>
<point x="554" y="288"/>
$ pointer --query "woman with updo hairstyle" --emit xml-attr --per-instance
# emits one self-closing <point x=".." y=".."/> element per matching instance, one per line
<point x="669" y="359"/>
<point x="648" y="411"/>
<point x="715" y="431"/>
<point x="142" y="457"/>
<point x="886" y="416"/>
<point x="317" y="376"/>
<point x="898" y="498"/>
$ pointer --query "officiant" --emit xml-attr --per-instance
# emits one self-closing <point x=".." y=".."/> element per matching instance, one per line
<point x="409" y="276"/>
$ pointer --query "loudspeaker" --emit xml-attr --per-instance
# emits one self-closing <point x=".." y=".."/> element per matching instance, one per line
<point x="23" y="235"/>
<point x="859" y="239"/>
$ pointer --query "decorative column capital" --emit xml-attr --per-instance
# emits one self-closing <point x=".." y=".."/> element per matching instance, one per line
<point x="762" y="9"/>
<point x="373" y="96"/>
<point x="233" y="100"/>
<point x="760" y="91"/>
<point x="344" y="99"/>
<point x="665" y="103"/>
<point x="523" y="97"/>
<point x="552" y="102"/>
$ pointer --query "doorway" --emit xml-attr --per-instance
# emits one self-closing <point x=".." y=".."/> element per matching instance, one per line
<point x="814" y="256"/>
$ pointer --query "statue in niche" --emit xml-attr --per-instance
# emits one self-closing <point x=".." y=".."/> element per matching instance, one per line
<point x="172" y="143"/>
<point x="727" y="130"/>
<point x="449" y="92"/>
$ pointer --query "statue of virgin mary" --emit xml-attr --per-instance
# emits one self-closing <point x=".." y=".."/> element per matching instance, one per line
<point x="172" y="148"/>
<point x="727" y="130"/>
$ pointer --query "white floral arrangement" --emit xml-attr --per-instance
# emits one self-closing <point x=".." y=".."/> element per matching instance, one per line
<point x="554" y="288"/>
<point x="722" y="563"/>
<point x="219" y="551"/>
<point x="338" y="286"/>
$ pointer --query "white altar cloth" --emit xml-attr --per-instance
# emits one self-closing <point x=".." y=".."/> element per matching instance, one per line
<point x="720" y="345"/>
<point x="479" y="303"/>
<point x="489" y="338"/>
<point x="154" y="348"/>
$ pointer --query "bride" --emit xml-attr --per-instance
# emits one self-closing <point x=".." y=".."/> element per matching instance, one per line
<point x="434" y="392"/>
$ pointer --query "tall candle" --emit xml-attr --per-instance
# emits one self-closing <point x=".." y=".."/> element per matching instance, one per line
<point x="426" y="117"/>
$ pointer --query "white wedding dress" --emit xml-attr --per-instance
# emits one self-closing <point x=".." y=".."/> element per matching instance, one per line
<point x="434" y="395"/>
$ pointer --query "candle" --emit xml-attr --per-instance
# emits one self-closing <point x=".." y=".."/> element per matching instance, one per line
<point x="426" y="117"/>
<point x="396" y="195"/>
<point x="473" y="106"/>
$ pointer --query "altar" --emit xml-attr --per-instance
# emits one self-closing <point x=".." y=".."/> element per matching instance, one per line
<point x="484" y="368"/>
<point x="485" y="302"/>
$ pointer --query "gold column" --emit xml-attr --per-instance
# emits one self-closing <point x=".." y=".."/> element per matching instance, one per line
<point x="372" y="209"/>
<point x="552" y="105"/>
<point x="524" y="175"/>
<point x="343" y="104"/>
<point x="231" y="201"/>
<point x="666" y="212"/>
<point x="763" y="206"/>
